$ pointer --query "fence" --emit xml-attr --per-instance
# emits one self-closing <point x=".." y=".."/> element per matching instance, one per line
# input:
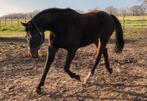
<point x="5" y="22"/>
<point x="127" y="22"/>
<point x="12" y="24"/>
<point x="133" y="21"/>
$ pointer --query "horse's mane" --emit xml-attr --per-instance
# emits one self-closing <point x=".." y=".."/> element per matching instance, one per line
<point x="53" y="10"/>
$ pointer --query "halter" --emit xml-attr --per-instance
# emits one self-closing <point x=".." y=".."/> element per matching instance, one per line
<point x="41" y="34"/>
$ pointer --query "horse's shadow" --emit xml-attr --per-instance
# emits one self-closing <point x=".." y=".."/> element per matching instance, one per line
<point x="136" y="96"/>
<point x="79" y="95"/>
<point x="127" y="41"/>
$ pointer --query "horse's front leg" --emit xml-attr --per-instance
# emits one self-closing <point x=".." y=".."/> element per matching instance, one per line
<point x="69" y="58"/>
<point x="51" y="54"/>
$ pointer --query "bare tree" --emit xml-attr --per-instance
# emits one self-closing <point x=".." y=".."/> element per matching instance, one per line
<point x="137" y="10"/>
<point x="123" y="12"/>
<point x="111" y="10"/>
<point x="21" y="15"/>
<point x="144" y="5"/>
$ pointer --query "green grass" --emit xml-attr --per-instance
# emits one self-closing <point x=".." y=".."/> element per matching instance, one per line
<point x="13" y="28"/>
<point x="13" y="25"/>
<point x="135" y="23"/>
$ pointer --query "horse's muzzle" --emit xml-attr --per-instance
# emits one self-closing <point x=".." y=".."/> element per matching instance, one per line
<point x="33" y="54"/>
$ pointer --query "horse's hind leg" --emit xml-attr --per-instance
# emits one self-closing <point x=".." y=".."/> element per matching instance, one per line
<point x="69" y="58"/>
<point x="100" y="51"/>
<point x="97" y="46"/>
<point x="51" y="54"/>
<point x="105" y="54"/>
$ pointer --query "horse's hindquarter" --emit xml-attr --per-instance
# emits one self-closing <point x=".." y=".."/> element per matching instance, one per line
<point x="90" y="29"/>
<point x="96" y="25"/>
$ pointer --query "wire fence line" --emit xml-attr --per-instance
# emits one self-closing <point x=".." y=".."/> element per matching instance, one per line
<point x="133" y="21"/>
<point x="6" y="21"/>
<point x="127" y="22"/>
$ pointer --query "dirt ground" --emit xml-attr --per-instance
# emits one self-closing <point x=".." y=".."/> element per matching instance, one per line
<point x="128" y="82"/>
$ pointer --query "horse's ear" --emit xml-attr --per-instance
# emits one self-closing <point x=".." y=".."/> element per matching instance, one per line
<point x="24" y="24"/>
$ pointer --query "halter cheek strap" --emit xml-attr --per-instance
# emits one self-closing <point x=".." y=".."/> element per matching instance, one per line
<point x="40" y="32"/>
<point x="42" y="37"/>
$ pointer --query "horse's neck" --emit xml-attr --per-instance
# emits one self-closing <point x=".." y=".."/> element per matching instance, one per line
<point x="41" y="23"/>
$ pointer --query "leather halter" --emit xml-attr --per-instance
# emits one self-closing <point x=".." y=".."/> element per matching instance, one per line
<point x="40" y="33"/>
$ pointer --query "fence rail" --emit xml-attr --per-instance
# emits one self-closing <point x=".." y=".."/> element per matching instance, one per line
<point x="4" y="22"/>
<point x="12" y="24"/>
<point x="127" y="22"/>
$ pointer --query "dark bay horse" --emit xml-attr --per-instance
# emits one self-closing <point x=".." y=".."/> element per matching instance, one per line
<point x="71" y="30"/>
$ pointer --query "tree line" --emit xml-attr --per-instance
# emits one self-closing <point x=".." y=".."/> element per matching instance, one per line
<point x="20" y="15"/>
<point x="136" y="10"/>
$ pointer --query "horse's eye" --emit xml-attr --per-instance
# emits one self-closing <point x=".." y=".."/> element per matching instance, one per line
<point x="30" y="26"/>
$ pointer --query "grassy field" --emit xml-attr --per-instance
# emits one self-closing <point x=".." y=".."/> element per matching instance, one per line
<point x="13" y="28"/>
<point x="134" y="21"/>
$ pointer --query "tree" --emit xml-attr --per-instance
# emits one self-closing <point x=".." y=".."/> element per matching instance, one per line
<point x="137" y="10"/>
<point x="123" y="12"/>
<point x="21" y="15"/>
<point x="144" y="5"/>
<point x="111" y="10"/>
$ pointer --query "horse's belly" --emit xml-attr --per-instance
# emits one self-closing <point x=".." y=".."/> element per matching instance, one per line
<point x="88" y="40"/>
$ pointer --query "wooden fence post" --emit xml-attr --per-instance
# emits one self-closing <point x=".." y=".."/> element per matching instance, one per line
<point x="11" y="21"/>
<point x="17" y="21"/>
<point x="0" y="23"/>
<point x="25" y="20"/>
<point x="123" y="22"/>
<point x="5" y="21"/>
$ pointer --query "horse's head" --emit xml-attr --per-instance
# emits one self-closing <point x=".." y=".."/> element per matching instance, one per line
<point x="34" y="37"/>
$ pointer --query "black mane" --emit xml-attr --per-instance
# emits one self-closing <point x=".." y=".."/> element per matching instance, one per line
<point x="53" y="11"/>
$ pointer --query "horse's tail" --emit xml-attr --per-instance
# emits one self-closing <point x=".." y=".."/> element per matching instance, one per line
<point x="119" y="35"/>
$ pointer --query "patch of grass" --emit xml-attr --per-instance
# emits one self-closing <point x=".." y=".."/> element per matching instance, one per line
<point x="11" y="34"/>
<point x="133" y="17"/>
<point x="134" y="36"/>
<point x="12" y="28"/>
<point x="135" y="23"/>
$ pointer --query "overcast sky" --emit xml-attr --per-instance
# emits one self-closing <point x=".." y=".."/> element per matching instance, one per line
<point x="16" y="6"/>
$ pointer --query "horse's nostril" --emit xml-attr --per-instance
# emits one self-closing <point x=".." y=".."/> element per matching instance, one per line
<point x="29" y="54"/>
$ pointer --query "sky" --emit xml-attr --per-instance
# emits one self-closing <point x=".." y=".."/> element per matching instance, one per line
<point x="23" y="6"/>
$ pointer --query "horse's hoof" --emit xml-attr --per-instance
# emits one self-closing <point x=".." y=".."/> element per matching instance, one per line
<point x="87" y="78"/>
<point x="77" y="77"/>
<point x="110" y="71"/>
